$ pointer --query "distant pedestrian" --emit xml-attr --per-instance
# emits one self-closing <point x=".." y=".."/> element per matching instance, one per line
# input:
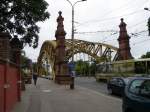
<point x="73" y="74"/>
<point x="35" y="77"/>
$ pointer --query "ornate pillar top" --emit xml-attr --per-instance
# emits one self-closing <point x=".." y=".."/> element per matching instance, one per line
<point x="60" y="19"/>
<point x="60" y="27"/>
<point x="122" y="27"/>
<point x="122" y="24"/>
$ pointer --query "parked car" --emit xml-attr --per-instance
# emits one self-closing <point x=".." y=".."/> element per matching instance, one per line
<point x="137" y="95"/>
<point x="117" y="85"/>
<point x="49" y="77"/>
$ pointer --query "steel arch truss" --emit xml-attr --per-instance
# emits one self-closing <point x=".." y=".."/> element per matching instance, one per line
<point x="99" y="51"/>
<point x="47" y="53"/>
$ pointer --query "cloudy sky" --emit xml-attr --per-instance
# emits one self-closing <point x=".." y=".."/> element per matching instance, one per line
<point x="95" y="21"/>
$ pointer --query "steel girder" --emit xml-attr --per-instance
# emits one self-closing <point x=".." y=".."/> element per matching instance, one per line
<point x="47" y="53"/>
<point x="99" y="51"/>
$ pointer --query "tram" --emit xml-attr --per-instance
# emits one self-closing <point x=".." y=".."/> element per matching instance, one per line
<point x="124" y="68"/>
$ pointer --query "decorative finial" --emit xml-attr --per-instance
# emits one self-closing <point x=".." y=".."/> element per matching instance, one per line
<point x="59" y="13"/>
<point x="122" y="24"/>
<point x="60" y="18"/>
<point x="121" y="19"/>
<point x="60" y="27"/>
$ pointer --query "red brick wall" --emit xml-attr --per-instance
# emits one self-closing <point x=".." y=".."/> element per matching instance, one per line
<point x="11" y="96"/>
<point x="1" y="88"/>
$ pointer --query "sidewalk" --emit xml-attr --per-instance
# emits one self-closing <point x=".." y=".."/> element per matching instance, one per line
<point x="50" y="97"/>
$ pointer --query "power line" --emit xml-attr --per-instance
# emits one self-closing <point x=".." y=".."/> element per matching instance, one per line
<point x="120" y="7"/>
<point x="136" y="11"/>
<point x="90" y="32"/>
<point x="137" y="33"/>
<point x="146" y="40"/>
<point x="105" y="19"/>
<point x="113" y="32"/>
<point x="141" y="22"/>
<point x="109" y="40"/>
<point x="131" y="35"/>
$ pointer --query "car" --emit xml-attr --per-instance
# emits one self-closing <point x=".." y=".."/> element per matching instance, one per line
<point x="137" y="95"/>
<point x="49" y="77"/>
<point x="117" y="85"/>
<point x="42" y="76"/>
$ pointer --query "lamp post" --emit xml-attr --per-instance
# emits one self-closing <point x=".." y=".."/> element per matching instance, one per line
<point x="72" y="32"/>
<point x="148" y="21"/>
<point x="146" y="9"/>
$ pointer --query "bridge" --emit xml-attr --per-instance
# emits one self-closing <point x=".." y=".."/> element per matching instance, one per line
<point x="100" y="52"/>
<point x="58" y="52"/>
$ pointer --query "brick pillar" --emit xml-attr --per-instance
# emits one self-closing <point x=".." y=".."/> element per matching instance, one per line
<point x="16" y="50"/>
<point x="124" y="46"/>
<point x="61" y="67"/>
<point x="4" y="55"/>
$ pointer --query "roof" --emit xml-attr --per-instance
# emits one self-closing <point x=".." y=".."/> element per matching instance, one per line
<point x="132" y="60"/>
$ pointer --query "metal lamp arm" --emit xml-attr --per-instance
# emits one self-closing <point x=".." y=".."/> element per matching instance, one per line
<point x="70" y="3"/>
<point x="76" y="2"/>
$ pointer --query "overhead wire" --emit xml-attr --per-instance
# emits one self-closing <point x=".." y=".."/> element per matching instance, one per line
<point x="106" y="19"/>
<point x="139" y="23"/>
<point x="99" y="31"/>
<point x="120" y="7"/>
<point x="138" y="33"/>
<point x="131" y="34"/>
<point x="142" y="41"/>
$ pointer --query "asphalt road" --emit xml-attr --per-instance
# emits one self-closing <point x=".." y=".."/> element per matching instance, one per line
<point x="90" y="83"/>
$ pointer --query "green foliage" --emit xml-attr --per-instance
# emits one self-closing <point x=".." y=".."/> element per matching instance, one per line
<point x="25" y="65"/>
<point x="20" y="17"/>
<point x="147" y="55"/>
<point x="84" y="68"/>
<point x="25" y="62"/>
<point x="93" y="68"/>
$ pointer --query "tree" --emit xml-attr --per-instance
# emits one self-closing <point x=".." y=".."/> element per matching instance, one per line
<point x="147" y="55"/>
<point x="20" y="17"/>
<point x="93" y="68"/>
<point x="78" y="67"/>
<point x="82" y="68"/>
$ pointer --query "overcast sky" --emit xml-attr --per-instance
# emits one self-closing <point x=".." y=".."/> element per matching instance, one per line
<point x="96" y="16"/>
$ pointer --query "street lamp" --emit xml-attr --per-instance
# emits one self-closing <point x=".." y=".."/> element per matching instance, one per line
<point x="72" y="32"/>
<point x="146" y="9"/>
<point x="148" y="21"/>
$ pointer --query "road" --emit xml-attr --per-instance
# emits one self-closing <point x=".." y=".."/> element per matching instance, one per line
<point x="50" y="97"/>
<point x="90" y="83"/>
